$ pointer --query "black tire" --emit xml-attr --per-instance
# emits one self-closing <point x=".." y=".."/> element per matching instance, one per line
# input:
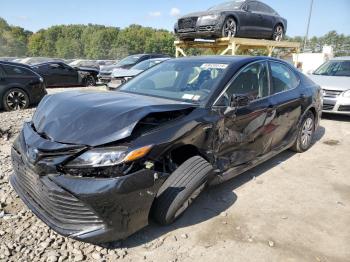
<point x="278" y="33"/>
<point x="15" y="99"/>
<point x="180" y="189"/>
<point x="229" y="28"/>
<point x="90" y="81"/>
<point x="306" y="131"/>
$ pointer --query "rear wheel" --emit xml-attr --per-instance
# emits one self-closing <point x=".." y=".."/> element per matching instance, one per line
<point x="229" y="29"/>
<point x="15" y="99"/>
<point x="305" y="134"/>
<point x="181" y="189"/>
<point x="278" y="33"/>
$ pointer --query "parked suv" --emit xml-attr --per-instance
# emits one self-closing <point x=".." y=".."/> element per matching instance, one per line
<point x="20" y="86"/>
<point x="96" y="166"/>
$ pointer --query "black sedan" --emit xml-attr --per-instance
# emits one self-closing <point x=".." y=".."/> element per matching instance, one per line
<point x="59" y="74"/>
<point x="96" y="166"/>
<point x="20" y="86"/>
<point x="239" y="18"/>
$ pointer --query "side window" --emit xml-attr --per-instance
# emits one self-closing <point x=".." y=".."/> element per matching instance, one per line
<point x="283" y="78"/>
<point x="17" y="71"/>
<point x="253" y="7"/>
<point x="252" y="82"/>
<point x="263" y="8"/>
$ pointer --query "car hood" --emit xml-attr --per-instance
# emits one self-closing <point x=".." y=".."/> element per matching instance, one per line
<point x="125" y="72"/>
<point x="88" y="69"/>
<point x="198" y="14"/>
<point x="109" y="68"/>
<point x="95" y="118"/>
<point x="332" y="82"/>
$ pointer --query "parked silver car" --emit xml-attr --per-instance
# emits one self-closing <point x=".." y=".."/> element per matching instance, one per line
<point x="334" y="79"/>
<point x="120" y="75"/>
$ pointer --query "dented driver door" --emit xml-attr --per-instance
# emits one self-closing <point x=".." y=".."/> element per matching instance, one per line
<point x="242" y="133"/>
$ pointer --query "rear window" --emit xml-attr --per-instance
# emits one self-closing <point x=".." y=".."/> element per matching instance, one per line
<point x="17" y="71"/>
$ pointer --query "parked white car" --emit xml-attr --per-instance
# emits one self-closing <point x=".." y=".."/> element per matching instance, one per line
<point x="334" y="79"/>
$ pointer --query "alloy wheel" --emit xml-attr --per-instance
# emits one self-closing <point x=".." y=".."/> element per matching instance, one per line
<point x="307" y="132"/>
<point x="278" y="33"/>
<point x="16" y="100"/>
<point x="230" y="28"/>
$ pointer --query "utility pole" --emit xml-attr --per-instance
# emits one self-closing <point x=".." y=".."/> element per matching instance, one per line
<point x="308" y="24"/>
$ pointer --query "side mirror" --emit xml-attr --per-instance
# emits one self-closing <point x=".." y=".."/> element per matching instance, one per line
<point x="239" y="101"/>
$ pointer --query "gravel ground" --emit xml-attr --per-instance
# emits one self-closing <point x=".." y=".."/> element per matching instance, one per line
<point x="295" y="207"/>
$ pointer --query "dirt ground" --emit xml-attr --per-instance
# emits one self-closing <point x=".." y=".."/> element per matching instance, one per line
<point x="295" y="207"/>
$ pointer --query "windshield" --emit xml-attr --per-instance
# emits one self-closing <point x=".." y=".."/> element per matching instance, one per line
<point x="334" y="68"/>
<point x="146" y="64"/>
<point x="178" y="80"/>
<point x="128" y="60"/>
<point x="228" y="5"/>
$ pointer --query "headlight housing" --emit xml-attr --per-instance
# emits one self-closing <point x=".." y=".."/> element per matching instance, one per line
<point x="346" y="94"/>
<point x="209" y="17"/>
<point x="107" y="157"/>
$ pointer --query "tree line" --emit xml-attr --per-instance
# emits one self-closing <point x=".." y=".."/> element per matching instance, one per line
<point x="105" y="42"/>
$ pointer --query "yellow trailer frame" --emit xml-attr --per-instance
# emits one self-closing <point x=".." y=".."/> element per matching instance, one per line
<point x="230" y="46"/>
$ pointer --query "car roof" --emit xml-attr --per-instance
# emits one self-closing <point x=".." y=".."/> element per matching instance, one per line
<point x="342" y="58"/>
<point x="226" y="59"/>
<point x="159" y="59"/>
<point x="14" y="64"/>
<point x="49" y="62"/>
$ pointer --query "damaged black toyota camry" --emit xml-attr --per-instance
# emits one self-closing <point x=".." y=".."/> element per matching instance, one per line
<point x="96" y="166"/>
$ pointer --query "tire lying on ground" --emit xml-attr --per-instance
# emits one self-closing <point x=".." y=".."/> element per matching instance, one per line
<point x="180" y="189"/>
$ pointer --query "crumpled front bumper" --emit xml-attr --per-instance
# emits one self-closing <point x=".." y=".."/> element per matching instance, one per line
<point x="87" y="209"/>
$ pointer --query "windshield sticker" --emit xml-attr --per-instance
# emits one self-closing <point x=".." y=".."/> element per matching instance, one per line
<point x="188" y="96"/>
<point x="214" y="66"/>
<point x="196" y="98"/>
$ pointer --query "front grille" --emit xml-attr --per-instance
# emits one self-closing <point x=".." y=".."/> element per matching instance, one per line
<point x="344" y="108"/>
<point x="328" y="107"/>
<point x="331" y="93"/>
<point x="105" y="73"/>
<point x="56" y="206"/>
<point x="188" y="23"/>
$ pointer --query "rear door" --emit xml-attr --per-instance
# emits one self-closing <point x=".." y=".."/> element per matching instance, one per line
<point x="250" y="20"/>
<point x="267" y="20"/>
<point x="286" y="104"/>
<point x="3" y="80"/>
<point x="242" y="134"/>
<point x="61" y="75"/>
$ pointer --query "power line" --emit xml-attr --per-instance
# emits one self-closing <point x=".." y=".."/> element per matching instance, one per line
<point x="308" y="24"/>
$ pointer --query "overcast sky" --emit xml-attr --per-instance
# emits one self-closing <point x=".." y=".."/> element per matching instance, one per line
<point x="36" y="14"/>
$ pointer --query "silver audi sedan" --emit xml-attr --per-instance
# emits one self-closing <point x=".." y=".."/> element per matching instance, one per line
<point x="334" y="79"/>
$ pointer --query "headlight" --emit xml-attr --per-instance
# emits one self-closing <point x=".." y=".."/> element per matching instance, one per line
<point x="347" y="94"/>
<point x="106" y="157"/>
<point x="209" y="17"/>
<point x="41" y="80"/>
